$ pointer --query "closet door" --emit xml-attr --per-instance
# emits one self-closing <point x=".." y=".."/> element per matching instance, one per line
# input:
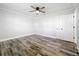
<point x="65" y="27"/>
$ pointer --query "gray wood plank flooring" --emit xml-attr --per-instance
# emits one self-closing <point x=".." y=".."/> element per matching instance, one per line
<point x="37" y="45"/>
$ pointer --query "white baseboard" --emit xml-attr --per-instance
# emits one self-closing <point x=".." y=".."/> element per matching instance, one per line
<point x="28" y="35"/>
<point x="15" y="37"/>
<point x="55" y="37"/>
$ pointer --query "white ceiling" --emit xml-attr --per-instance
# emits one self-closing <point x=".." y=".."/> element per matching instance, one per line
<point x="25" y="7"/>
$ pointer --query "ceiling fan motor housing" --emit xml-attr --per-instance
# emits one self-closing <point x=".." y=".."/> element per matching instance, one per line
<point x="37" y="8"/>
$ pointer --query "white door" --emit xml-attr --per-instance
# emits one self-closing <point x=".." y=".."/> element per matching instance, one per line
<point x="65" y="27"/>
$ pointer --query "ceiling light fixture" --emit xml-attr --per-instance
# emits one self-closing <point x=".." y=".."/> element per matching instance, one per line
<point x="37" y="10"/>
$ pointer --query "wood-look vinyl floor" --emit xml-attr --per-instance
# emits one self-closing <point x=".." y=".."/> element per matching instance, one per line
<point x="37" y="45"/>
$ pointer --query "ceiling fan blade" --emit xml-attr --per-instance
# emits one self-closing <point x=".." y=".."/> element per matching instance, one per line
<point x="42" y="11"/>
<point x="42" y="7"/>
<point x="33" y="7"/>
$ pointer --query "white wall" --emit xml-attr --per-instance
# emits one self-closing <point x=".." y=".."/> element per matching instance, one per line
<point x="13" y="24"/>
<point x="56" y="26"/>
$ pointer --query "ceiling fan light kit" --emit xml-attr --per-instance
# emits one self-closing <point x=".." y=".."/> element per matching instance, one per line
<point x="37" y="10"/>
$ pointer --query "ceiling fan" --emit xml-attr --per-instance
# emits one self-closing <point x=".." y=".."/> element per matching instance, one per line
<point x="37" y="10"/>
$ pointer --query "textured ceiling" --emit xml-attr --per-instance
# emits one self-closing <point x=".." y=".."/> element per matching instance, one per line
<point x="25" y="7"/>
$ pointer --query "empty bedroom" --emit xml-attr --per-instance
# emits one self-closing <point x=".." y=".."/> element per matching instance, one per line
<point x="39" y="29"/>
